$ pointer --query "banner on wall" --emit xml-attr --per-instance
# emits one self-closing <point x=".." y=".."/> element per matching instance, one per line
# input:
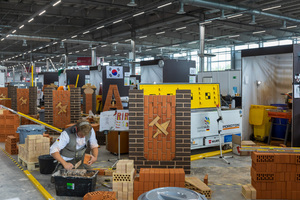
<point x="114" y="72"/>
<point x="84" y="61"/>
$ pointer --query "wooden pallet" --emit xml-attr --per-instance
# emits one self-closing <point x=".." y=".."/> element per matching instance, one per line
<point x="29" y="165"/>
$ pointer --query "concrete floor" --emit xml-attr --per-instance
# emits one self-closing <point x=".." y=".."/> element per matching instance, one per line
<point x="225" y="180"/>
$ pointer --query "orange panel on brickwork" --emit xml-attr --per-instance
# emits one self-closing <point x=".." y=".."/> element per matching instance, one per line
<point x="3" y="92"/>
<point x="23" y="100"/>
<point x="61" y="108"/>
<point x="159" y="127"/>
<point x="9" y="124"/>
<point x="88" y="102"/>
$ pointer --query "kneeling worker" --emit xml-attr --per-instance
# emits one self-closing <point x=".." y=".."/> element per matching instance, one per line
<point x="71" y="145"/>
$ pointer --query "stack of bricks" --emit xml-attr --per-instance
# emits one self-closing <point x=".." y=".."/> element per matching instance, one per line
<point x="123" y="179"/>
<point x="193" y="183"/>
<point x="9" y="124"/>
<point x="35" y="145"/>
<point x="12" y="94"/>
<point x="276" y="175"/>
<point x="175" y="153"/>
<point x="151" y="178"/>
<point x="33" y="100"/>
<point x="11" y="145"/>
<point x="104" y="195"/>
<point x="3" y="97"/>
<point x="89" y="98"/>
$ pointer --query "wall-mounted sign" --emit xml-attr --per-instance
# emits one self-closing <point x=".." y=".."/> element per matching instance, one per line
<point x="84" y="61"/>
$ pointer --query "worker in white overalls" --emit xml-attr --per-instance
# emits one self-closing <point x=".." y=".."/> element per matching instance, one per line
<point x="71" y="146"/>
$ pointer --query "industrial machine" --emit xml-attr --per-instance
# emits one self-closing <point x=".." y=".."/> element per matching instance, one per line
<point x="204" y="115"/>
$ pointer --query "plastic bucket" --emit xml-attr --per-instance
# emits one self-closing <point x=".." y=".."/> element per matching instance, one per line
<point x="47" y="164"/>
<point x="31" y="129"/>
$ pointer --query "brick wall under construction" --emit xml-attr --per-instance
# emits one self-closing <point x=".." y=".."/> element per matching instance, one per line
<point x="159" y="130"/>
<point x="62" y="107"/>
<point x="89" y="102"/>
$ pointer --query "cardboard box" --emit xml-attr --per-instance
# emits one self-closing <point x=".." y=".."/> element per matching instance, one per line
<point x="237" y="143"/>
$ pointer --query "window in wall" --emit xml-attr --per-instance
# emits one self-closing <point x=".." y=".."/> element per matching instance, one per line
<point x="241" y="47"/>
<point x="253" y="46"/>
<point x="221" y="61"/>
<point x="137" y="70"/>
<point x="285" y="42"/>
<point x="270" y="43"/>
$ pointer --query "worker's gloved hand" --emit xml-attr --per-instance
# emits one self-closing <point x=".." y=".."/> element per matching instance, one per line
<point x="68" y="166"/>
<point x="93" y="159"/>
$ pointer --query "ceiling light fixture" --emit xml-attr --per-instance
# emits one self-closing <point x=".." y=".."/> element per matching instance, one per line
<point x="257" y="32"/>
<point x="164" y="5"/>
<point x="209" y="40"/>
<point x="138" y="14"/>
<point x="108" y="56"/>
<point x="143" y="36"/>
<point x="63" y="40"/>
<point x="21" y="26"/>
<point x="160" y="33"/>
<point x="100" y="27"/>
<point x="132" y="3"/>
<point x="181" y="9"/>
<point x="117" y="54"/>
<point x="104" y="45"/>
<point x="74" y="36"/>
<point x="47" y="45"/>
<point x="295" y="26"/>
<point x="40" y="47"/>
<point x="117" y="21"/>
<point x="148" y="49"/>
<point x="270" y="8"/>
<point x="7" y="36"/>
<point x="207" y="22"/>
<point x="175" y="45"/>
<point x="253" y="22"/>
<point x="85" y="32"/>
<point x="233" y="36"/>
<point x="41" y="13"/>
<point x="54" y="43"/>
<point x="30" y="20"/>
<point x="234" y="16"/>
<point x="194" y="42"/>
<point x="177" y="29"/>
<point x="76" y="51"/>
<point x="14" y="31"/>
<point x="56" y="2"/>
<point x="84" y="50"/>
<point x="2" y="39"/>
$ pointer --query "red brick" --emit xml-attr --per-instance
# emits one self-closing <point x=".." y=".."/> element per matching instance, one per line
<point x="167" y="175"/>
<point x="172" y="175"/>
<point x="142" y="174"/>
<point x="151" y="175"/>
<point x="156" y="179"/>
<point x="161" y="175"/>
<point x="147" y="175"/>
<point x="156" y="185"/>
<point x="141" y="186"/>
<point x="136" y="183"/>
<point x="146" y="186"/>
<point x="151" y="185"/>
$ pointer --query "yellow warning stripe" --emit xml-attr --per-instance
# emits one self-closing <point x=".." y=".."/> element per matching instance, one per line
<point x="44" y="192"/>
<point x="209" y="154"/>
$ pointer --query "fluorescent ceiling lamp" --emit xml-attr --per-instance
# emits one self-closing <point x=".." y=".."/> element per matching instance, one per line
<point x="47" y="45"/>
<point x="42" y="12"/>
<point x="117" y="21"/>
<point x="175" y="45"/>
<point x="29" y="51"/>
<point x="100" y="27"/>
<point x="2" y="39"/>
<point x="125" y="53"/>
<point x="7" y="35"/>
<point x="117" y="54"/>
<point x="233" y="16"/>
<point x="57" y="55"/>
<point x="21" y="26"/>
<point x="74" y="36"/>
<point x="115" y="43"/>
<point x="143" y="36"/>
<point x="52" y="57"/>
<point x="270" y="8"/>
<point x="164" y="5"/>
<point x="34" y="50"/>
<point x="148" y="49"/>
<point x="138" y="14"/>
<point x="71" y="53"/>
<point x="257" y="32"/>
<point x="233" y="36"/>
<point x="85" y="32"/>
<point x="208" y="40"/>
<point x="84" y="50"/>
<point x="56" y="2"/>
<point x="54" y="43"/>
<point x="193" y="42"/>
<point x="104" y="45"/>
<point x="108" y="56"/>
<point x="160" y="33"/>
<point x="40" y="47"/>
<point x="14" y="31"/>
<point x="207" y="22"/>
<point x="76" y="51"/>
<point x="295" y="26"/>
<point x="180" y="28"/>
<point x="64" y="40"/>
<point x="30" y="20"/>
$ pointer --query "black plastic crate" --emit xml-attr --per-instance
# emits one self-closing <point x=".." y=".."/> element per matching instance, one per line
<point x="74" y="186"/>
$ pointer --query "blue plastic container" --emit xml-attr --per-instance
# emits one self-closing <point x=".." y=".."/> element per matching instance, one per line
<point x="31" y="129"/>
<point x="279" y="127"/>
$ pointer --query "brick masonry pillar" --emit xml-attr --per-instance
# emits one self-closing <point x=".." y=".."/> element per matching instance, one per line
<point x="32" y="100"/>
<point x="12" y="93"/>
<point x="75" y="104"/>
<point x="138" y="130"/>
